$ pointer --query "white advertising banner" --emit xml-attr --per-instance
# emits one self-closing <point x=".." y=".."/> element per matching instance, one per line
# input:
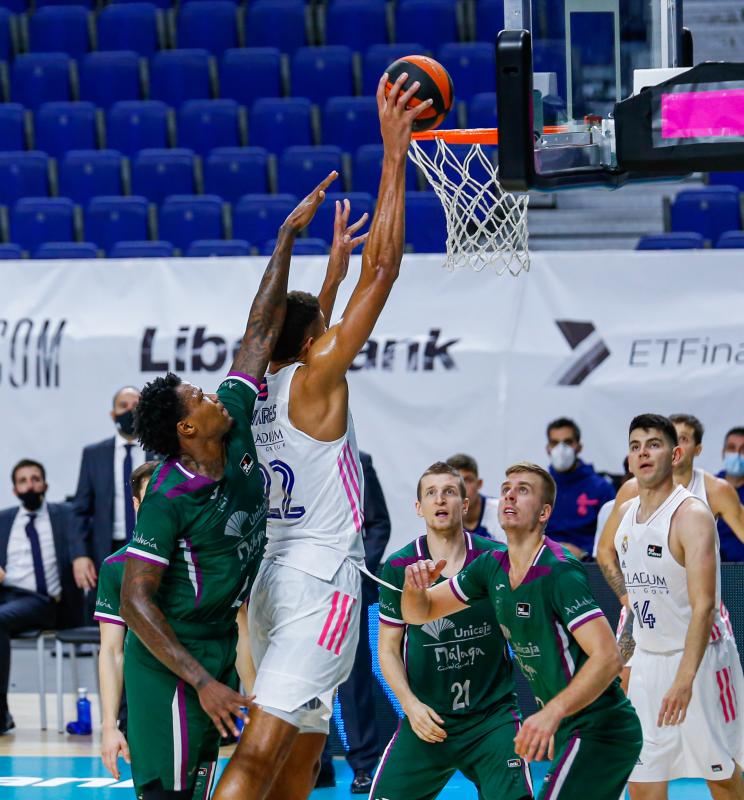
<point x="458" y="362"/>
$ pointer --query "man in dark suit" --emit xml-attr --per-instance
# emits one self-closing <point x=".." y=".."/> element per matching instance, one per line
<point x="356" y="695"/>
<point x="103" y="500"/>
<point x="37" y="590"/>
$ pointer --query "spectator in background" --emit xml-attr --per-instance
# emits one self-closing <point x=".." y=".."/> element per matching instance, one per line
<point x="732" y="549"/>
<point x="103" y="500"/>
<point x="482" y="516"/>
<point x="581" y="491"/>
<point x="356" y="695"/>
<point x="36" y="583"/>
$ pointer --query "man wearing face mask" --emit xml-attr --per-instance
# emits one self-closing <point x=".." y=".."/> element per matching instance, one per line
<point x="581" y="490"/>
<point x="35" y="569"/>
<point x="732" y="549"/>
<point x="103" y="500"/>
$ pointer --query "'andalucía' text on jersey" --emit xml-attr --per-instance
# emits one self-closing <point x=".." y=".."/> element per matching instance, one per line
<point x="208" y="535"/>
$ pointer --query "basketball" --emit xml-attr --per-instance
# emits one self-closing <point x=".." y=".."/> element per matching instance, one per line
<point x="436" y="85"/>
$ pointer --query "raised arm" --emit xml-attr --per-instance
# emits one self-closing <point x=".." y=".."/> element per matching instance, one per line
<point x="724" y="500"/>
<point x="270" y="303"/>
<point x="420" y="603"/>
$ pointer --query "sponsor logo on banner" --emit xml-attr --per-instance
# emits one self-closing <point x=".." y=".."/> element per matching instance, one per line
<point x="412" y="354"/>
<point x="30" y="351"/>
<point x="589" y="351"/>
<point x="193" y="349"/>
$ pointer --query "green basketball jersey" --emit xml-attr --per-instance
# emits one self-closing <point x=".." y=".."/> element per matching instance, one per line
<point x="457" y="665"/>
<point x="109" y="588"/>
<point x="208" y="535"/>
<point x="539" y="619"/>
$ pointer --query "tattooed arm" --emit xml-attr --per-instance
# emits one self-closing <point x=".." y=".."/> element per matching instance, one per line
<point x="270" y="303"/>
<point x="142" y="614"/>
<point x="626" y="642"/>
<point x="606" y="553"/>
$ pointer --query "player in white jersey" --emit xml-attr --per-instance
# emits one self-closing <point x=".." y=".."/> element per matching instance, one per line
<point x="686" y="675"/>
<point x="304" y="609"/>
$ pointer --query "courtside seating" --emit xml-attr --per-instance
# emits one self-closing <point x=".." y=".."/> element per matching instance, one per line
<point x="489" y="20"/>
<point x="349" y="122"/>
<point x="367" y="168"/>
<point x="730" y="240"/>
<point x="426" y="229"/>
<point x="164" y="5"/>
<point x="107" y="77"/>
<point x="231" y="172"/>
<point x="257" y="217"/>
<point x="129" y="26"/>
<point x="441" y="22"/>
<point x="671" y="241"/>
<point x="207" y="248"/>
<point x="357" y="24"/>
<point x="66" y="250"/>
<point x="302" y="247"/>
<point x="12" y="131"/>
<point x="211" y="24"/>
<point x="142" y="249"/>
<point x="37" y="78"/>
<point x="472" y="67"/>
<point x="379" y="56"/>
<point x="35" y="220"/>
<point x="158" y="173"/>
<point x="15" y="6"/>
<point x="276" y="23"/>
<point x="84" y="174"/>
<point x="322" y="72"/>
<point x="302" y="168"/>
<point x="10" y="252"/>
<point x="321" y="226"/>
<point x="180" y="75"/>
<point x="7" y="47"/>
<point x="263" y="64"/>
<point x="185" y="218"/>
<point x="709" y="211"/>
<point x="23" y="174"/>
<point x="62" y="29"/>
<point x="136" y="124"/>
<point x="276" y="123"/>
<point x="109" y="220"/>
<point x="727" y="179"/>
<point x="65" y="126"/>
<point x="482" y="111"/>
<point x="89" y="4"/>
<point x="206" y="124"/>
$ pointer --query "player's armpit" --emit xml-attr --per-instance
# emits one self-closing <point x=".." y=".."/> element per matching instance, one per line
<point x="728" y="506"/>
<point x="606" y="553"/>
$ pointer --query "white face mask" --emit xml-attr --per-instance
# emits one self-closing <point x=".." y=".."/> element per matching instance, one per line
<point x="562" y="457"/>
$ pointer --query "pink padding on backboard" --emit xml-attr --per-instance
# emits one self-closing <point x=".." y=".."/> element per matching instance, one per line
<point x="693" y="115"/>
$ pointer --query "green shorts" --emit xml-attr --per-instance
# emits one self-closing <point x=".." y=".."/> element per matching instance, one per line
<point x="171" y="739"/>
<point x="412" y="769"/>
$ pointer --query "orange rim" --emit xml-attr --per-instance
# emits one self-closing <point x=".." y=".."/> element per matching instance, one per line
<point x="475" y="135"/>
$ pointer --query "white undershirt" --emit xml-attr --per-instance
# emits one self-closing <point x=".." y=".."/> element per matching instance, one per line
<point x="19" y="569"/>
<point x="138" y="458"/>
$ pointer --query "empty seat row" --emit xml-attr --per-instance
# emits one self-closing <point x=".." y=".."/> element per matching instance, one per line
<point x="710" y="212"/>
<point x="728" y="240"/>
<point x="183" y="219"/>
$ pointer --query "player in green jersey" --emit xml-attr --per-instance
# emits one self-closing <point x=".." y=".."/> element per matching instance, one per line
<point x="195" y="550"/>
<point x="453" y="677"/>
<point x="560" y="639"/>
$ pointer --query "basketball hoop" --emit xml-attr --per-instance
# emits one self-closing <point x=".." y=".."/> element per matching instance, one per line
<point x="486" y="225"/>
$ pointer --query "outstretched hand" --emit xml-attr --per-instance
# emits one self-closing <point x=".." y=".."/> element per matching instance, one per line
<point x="344" y="240"/>
<point x="302" y="215"/>
<point x="396" y="120"/>
<point x="423" y="574"/>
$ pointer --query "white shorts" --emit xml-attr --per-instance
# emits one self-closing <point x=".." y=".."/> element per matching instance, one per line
<point x="303" y="633"/>
<point x="711" y="738"/>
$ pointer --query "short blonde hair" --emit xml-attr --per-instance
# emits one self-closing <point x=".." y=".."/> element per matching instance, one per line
<point x="549" y="487"/>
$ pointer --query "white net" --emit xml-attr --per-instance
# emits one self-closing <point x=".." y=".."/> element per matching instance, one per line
<point x="486" y="225"/>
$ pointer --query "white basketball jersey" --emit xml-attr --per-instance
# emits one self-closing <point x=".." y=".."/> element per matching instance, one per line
<point x="655" y="581"/>
<point x="696" y="486"/>
<point x="315" y="489"/>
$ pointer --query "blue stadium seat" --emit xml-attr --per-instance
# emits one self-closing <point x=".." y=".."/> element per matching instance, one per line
<point x="426" y="229"/>
<point x="482" y="111"/>
<point x="185" y="218"/>
<point x="321" y="226"/>
<point x="45" y="3"/>
<point x="671" y="241"/>
<point x="35" y="220"/>
<point x="10" y="252"/>
<point x="730" y="240"/>
<point x="66" y="250"/>
<point x="211" y="24"/>
<point x="302" y="247"/>
<point x="65" y="126"/>
<point x="158" y="173"/>
<point x="23" y="174"/>
<point x="130" y="26"/>
<point x="441" y="22"/>
<point x="206" y="248"/>
<point x="358" y="24"/>
<point x="257" y="217"/>
<point x="133" y="125"/>
<point x="165" y="5"/>
<point x="62" y="29"/>
<point x="6" y="35"/>
<point x="489" y="19"/>
<point x="84" y="174"/>
<point x="189" y="2"/>
<point x="108" y="77"/>
<point x="38" y="78"/>
<point x="368" y="166"/>
<point x="276" y="23"/>
<point x="180" y="75"/>
<point x="472" y="67"/>
<point x="12" y="131"/>
<point x="206" y="124"/>
<point x="349" y="122"/>
<point x="142" y="250"/>
<point x="263" y="64"/>
<point x="15" y="6"/>
<point x="231" y="172"/>
<point x="379" y="57"/>
<point x="114" y="219"/>
<point x="276" y="123"/>
<point x="709" y="211"/>
<point x="302" y="168"/>
<point x="727" y="179"/>
<point x="322" y="72"/>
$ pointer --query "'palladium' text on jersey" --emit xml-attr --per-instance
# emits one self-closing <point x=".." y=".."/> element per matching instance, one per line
<point x="646" y="582"/>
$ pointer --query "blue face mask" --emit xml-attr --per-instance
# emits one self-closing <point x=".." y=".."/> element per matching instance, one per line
<point x="733" y="464"/>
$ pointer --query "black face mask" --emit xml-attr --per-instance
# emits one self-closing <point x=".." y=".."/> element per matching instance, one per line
<point x="31" y="500"/>
<point x="125" y="423"/>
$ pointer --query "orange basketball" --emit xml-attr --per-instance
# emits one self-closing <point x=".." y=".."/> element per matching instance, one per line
<point x="435" y="84"/>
